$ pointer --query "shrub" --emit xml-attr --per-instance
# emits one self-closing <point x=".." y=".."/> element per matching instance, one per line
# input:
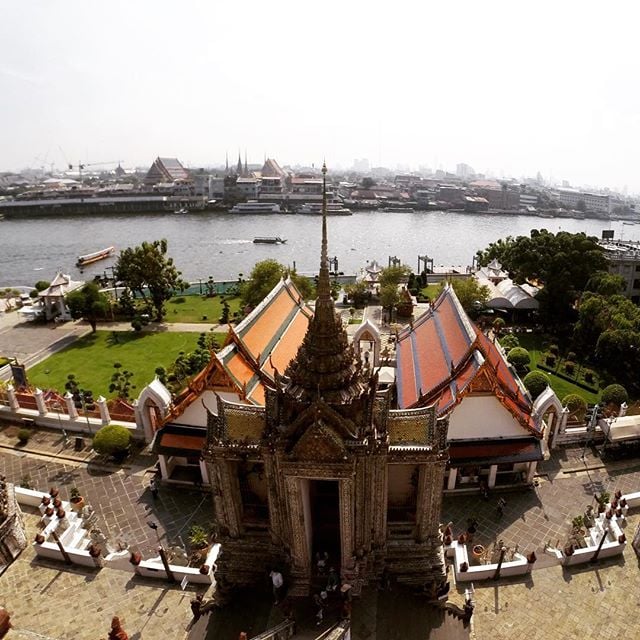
<point x="198" y="536"/>
<point x="569" y="367"/>
<point x="571" y="355"/>
<point x="588" y="376"/>
<point x="519" y="357"/>
<point x="553" y="348"/>
<point x="550" y="360"/>
<point x="536" y="382"/>
<point x="509" y="342"/>
<point x="615" y="394"/>
<point x="136" y="323"/>
<point x="23" y="436"/>
<point x="498" y="324"/>
<point x="112" y="440"/>
<point x="577" y="406"/>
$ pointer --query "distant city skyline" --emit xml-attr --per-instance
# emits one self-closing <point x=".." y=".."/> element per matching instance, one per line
<point x="507" y="89"/>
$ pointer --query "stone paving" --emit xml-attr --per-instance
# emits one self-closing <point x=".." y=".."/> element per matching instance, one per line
<point x="588" y="602"/>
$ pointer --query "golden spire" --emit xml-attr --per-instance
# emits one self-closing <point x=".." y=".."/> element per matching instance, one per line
<point x="324" y="283"/>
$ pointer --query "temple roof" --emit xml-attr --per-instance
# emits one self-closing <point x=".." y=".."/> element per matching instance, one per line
<point x="442" y="357"/>
<point x="265" y="341"/>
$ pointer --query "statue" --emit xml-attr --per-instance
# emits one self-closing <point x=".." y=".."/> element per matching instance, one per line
<point x="117" y="632"/>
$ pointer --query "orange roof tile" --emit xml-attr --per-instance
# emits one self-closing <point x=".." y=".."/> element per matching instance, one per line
<point x="261" y="332"/>
<point x="240" y="369"/>
<point x="288" y="345"/>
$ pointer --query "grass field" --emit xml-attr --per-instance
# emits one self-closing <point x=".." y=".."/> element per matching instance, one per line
<point x="198" y="309"/>
<point x="431" y="291"/>
<point x="91" y="359"/>
<point x="532" y="342"/>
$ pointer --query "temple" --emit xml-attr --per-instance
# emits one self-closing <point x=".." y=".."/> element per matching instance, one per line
<point x="324" y="465"/>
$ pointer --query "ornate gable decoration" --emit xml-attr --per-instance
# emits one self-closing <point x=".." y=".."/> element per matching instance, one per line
<point x="320" y="411"/>
<point x="241" y="423"/>
<point x="320" y="443"/>
<point x="482" y="383"/>
<point x="413" y="426"/>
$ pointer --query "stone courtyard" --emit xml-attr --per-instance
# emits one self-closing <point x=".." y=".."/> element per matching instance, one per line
<point x="51" y="601"/>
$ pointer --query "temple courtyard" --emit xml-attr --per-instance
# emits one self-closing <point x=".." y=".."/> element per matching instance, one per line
<point x="52" y="601"/>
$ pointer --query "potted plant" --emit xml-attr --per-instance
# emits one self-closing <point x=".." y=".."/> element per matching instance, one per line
<point x="76" y="500"/>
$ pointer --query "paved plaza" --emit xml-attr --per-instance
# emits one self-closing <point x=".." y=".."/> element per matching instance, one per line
<point x="52" y="601"/>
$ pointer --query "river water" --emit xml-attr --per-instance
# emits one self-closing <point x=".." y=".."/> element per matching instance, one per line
<point x="220" y="244"/>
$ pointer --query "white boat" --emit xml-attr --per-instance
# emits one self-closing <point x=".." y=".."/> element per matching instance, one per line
<point x="333" y="209"/>
<point x="95" y="256"/>
<point x="254" y="206"/>
<point x="182" y="210"/>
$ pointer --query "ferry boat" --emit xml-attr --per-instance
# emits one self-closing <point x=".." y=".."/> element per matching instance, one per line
<point x="333" y="209"/>
<point x="182" y="210"/>
<point x="269" y="240"/>
<point x="95" y="256"/>
<point x="253" y="206"/>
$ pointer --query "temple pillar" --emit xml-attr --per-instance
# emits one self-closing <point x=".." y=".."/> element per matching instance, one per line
<point x="347" y="491"/>
<point x="101" y="401"/>
<point x="204" y="472"/>
<point x="276" y="508"/>
<point x="164" y="470"/>
<point x="71" y="408"/>
<point x="531" y="471"/>
<point x="560" y="427"/>
<point x="493" y="472"/>
<point x="430" y="482"/>
<point x="13" y="400"/>
<point x="230" y="498"/>
<point x="453" y="476"/>
<point x="40" y="403"/>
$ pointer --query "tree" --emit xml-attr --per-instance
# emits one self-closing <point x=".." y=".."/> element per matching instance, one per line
<point x="121" y="381"/>
<point x="264" y="276"/>
<point x="605" y="284"/>
<point x="615" y="394"/>
<point x="394" y="275"/>
<point x="472" y="295"/>
<point x="368" y="183"/>
<point x="581" y="206"/>
<point x="561" y="263"/>
<point x="536" y="382"/>
<point x="509" y="342"/>
<point x="41" y="285"/>
<point x="88" y="303"/>
<point x="577" y="406"/>
<point x="147" y="270"/>
<point x="112" y="440"/>
<point x="389" y="296"/>
<point x="519" y="358"/>
<point x="357" y="292"/>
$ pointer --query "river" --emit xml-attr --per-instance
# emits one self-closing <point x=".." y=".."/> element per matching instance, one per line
<point x="221" y="244"/>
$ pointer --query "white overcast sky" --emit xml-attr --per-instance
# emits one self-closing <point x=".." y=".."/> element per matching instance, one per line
<point x="510" y="87"/>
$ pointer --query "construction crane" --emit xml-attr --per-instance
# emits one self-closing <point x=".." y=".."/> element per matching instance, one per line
<point x="82" y="165"/>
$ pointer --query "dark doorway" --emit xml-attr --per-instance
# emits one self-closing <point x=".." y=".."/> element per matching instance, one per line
<point x="324" y="497"/>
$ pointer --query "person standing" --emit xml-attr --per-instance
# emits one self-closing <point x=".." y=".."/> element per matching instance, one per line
<point x="196" y="607"/>
<point x="502" y="503"/>
<point x="153" y="487"/>
<point x="276" y="582"/>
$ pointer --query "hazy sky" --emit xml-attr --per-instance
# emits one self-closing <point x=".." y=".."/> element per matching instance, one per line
<point x="513" y="87"/>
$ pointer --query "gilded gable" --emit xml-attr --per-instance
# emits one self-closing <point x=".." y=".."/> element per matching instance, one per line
<point x="319" y="443"/>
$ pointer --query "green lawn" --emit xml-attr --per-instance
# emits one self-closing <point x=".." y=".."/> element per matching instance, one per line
<point x="198" y="309"/>
<point x="91" y="359"/>
<point x="532" y="342"/>
<point x="431" y="291"/>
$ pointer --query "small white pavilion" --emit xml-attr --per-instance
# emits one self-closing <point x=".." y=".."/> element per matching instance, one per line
<point x="53" y="296"/>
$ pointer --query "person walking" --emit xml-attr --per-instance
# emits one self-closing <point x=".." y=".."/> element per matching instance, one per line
<point x="153" y="487"/>
<point x="502" y="503"/>
<point x="276" y="582"/>
<point x="196" y="607"/>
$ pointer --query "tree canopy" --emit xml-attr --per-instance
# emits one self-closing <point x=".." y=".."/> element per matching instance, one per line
<point x="265" y="276"/>
<point x="88" y="303"/>
<point x="147" y="270"/>
<point x="562" y="263"/>
<point x="394" y="275"/>
<point x="470" y="292"/>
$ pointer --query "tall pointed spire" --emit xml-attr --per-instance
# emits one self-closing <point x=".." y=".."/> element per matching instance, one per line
<point x="226" y="163"/>
<point x="246" y="166"/>
<point x="239" y="167"/>
<point x="326" y="365"/>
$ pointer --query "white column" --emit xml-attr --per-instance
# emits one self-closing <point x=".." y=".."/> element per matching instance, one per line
<point x="42" y="407"/>
<point x="13" y="401"/>
<point x="560" y="427"/>
<point x="101" y="401"/>
<point x="491" y="481"/>
<point x="203" y="472"/>
<point x="71" y="408"/>
<point x="531" y="471"/>
<point x="453" y="475"/>
<point x="164" y="471"/>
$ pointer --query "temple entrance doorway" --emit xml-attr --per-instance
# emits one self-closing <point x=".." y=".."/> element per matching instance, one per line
<point x="324" y="499"/>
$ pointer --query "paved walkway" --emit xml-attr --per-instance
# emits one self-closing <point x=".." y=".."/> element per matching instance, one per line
<point x="588" y="602"/>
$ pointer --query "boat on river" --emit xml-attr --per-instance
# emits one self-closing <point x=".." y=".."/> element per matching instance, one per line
<point x="333" y="209"/>
<point x="269" y="240"/>
<point x="256" y="207"/>
<point x="89" y="258"/>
